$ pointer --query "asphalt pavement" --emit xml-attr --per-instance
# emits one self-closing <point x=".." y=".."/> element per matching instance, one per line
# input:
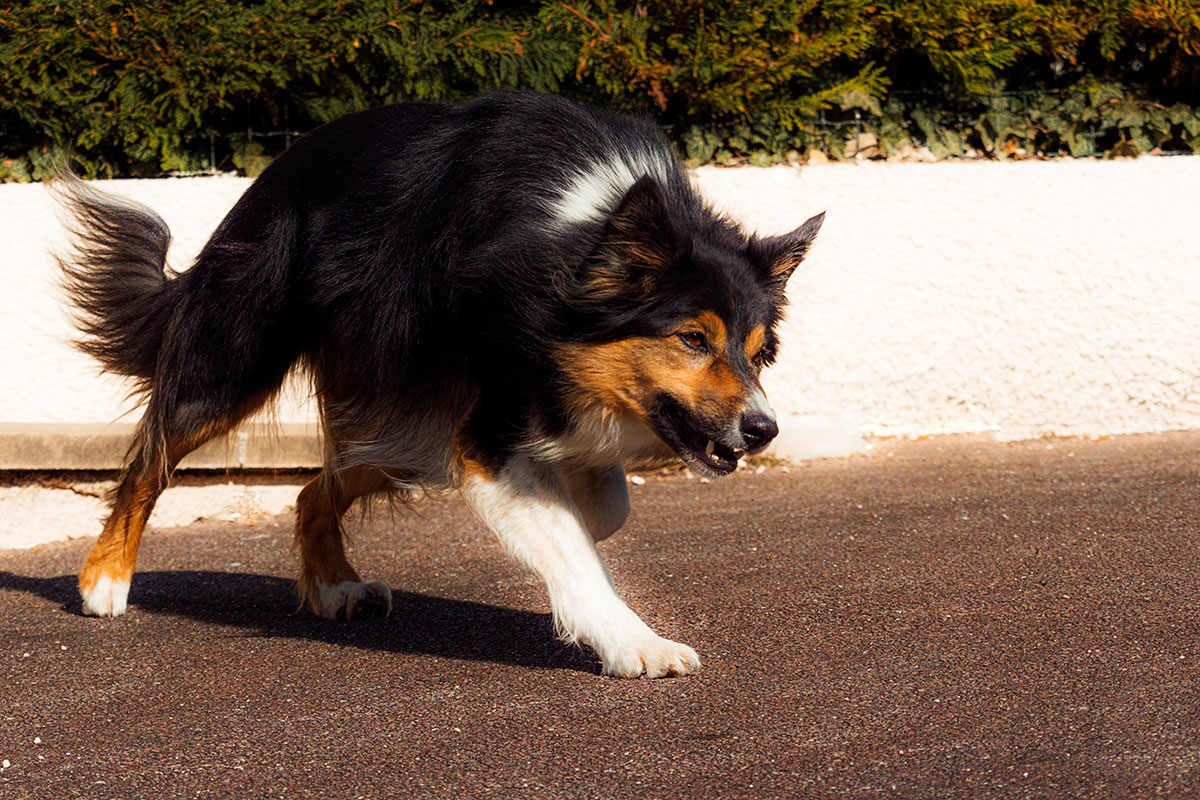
<point x="951" y="618"/>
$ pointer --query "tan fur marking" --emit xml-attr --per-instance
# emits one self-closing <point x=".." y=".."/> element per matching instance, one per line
<point x="612" y="278"/>
<point x="617" y="374"/>
<point x="754" y="342"/>
<point x="475" y="469"/>
<point x="714" y="328"/>
<point x="627" y="374"/>
<point x="115" y="553"/>
<point x="467" y="463"/>
<point x="319" y="509"/>
<point x="722" y="386"/>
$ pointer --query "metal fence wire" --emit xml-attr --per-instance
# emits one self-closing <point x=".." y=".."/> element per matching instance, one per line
<point x="962" y="116"/>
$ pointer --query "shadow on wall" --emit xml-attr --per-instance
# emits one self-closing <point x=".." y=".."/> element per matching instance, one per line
<point x="266" y="607"/>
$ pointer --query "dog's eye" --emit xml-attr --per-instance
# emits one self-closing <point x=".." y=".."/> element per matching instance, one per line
<point x="694" y="340"/>
<point x="760" y="359"/>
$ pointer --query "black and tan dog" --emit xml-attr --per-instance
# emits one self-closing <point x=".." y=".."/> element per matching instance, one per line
<point x="515" y="296"/>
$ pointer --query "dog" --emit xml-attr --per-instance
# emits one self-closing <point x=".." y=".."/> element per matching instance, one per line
<point x="515" y="296"/>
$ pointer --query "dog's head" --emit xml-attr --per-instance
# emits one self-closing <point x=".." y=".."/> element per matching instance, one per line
<point x="686" y="307"/>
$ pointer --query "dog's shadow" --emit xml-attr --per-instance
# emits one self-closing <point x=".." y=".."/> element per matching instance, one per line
<point x="266" y="606"/>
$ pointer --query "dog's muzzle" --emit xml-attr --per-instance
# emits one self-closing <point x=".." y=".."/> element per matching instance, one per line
<point x="758" y="429"/>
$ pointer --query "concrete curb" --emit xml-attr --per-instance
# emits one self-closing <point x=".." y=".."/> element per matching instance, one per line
<point x="297" y="445"/>
<point x="294" y="445"/>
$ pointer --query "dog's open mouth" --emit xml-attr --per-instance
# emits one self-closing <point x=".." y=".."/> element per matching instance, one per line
<point x="694" y="446"/>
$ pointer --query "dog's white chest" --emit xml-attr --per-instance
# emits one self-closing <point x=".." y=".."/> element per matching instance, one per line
<point x="601" y="439"/>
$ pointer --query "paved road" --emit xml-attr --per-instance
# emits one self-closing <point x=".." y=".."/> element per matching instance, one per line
<point x="948" y="618"/>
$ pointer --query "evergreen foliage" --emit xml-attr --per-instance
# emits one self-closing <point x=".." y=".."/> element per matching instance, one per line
<point x="161" y="85"/>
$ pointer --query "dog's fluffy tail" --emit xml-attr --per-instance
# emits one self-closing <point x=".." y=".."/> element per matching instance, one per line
<point x="116" y="277"/>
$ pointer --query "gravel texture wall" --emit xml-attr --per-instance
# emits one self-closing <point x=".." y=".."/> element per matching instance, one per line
<point x="1025" y="299"/>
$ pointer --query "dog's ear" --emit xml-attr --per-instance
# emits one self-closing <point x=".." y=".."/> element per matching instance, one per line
<point x="780" y="255"/>
<point x="640" y="243"/>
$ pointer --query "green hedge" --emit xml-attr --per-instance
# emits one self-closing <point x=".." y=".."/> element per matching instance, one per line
<point x="160" y="85"/>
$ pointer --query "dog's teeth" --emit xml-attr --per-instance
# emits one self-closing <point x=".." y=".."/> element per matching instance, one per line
<point x="710" y="447"/>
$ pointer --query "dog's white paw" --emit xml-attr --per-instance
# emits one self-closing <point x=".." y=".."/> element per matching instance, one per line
<point x="106" y="597"/>
<point x="648" y="654"/>
<point x="350" y="600"/>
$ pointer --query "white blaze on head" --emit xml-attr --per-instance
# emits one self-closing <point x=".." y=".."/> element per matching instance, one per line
<point x="756" y="403"/>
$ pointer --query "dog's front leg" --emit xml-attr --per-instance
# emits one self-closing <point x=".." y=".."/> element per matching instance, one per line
<point x="528" y="507"/>
<point x="601" y="497"/>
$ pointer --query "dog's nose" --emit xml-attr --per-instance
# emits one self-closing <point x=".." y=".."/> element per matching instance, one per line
<point x="758" y="430"/>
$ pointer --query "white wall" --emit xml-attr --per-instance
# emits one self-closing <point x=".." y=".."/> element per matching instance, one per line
<point x="1024" y="298"/>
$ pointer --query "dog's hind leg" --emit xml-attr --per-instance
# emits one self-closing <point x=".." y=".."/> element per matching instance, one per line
<point x="328" y="584"/>
<point x="209" y="346"/>
<point x="105" y="577"/>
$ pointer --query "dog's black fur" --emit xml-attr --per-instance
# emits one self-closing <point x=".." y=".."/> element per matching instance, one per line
<point x="405" y="256"/>
<point x="426" y="264"/>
